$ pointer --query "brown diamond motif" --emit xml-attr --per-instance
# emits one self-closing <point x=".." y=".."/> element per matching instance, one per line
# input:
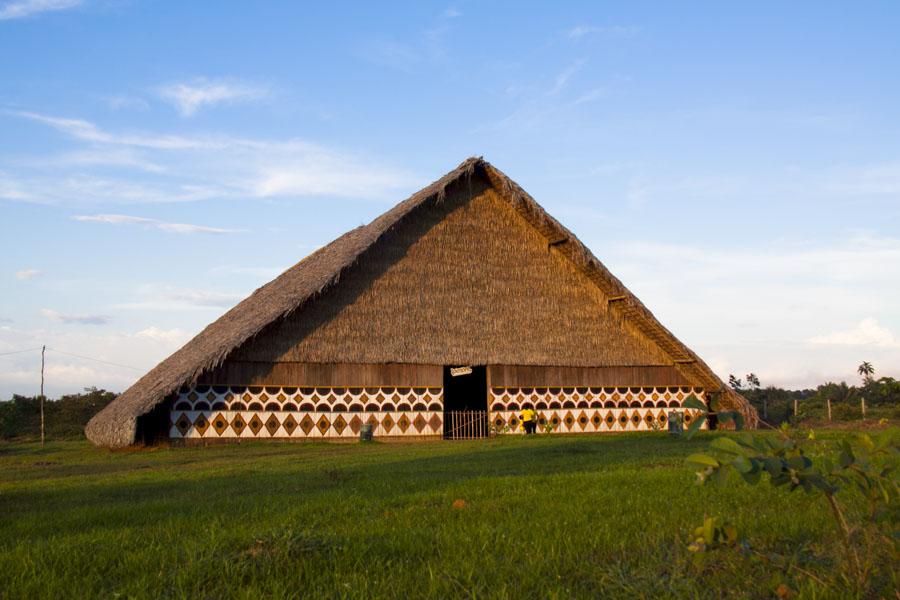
<point x="569" y="419"/>
<point x="387" y="423"/>
<point x="247" y="397"/>
<point x="238" y="424"/>
<point x="436" y="423"/>
<point x="403" y="423"/>
<point x="583" y="420"/>
<point x="340" y="424"/>
<point x="281" y="397"/>
<point x="355" y="424"/>
<point x="419" y="423"/>
<point x="323" y="424"/>
<point x="229" y="397"/>
<point x="610" y="420"/>
<point x="379" y="398"/>
<point x="635" y="417"/>
<point x="220" y="424"/>
<point x="193" y="397"/>
<point x="263" y="397"/>
<point x="289" y="424"/>
<point x="255" y="424"/>
<point x="210" y="396"/>
<point x="272" y="424"/>
<point x="183" y="424"/>
<point x="201" y="423"/>
<point x="307" y="424"/>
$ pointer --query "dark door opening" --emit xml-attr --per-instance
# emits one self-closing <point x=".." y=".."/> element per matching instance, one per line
<point x="465" y="403"/>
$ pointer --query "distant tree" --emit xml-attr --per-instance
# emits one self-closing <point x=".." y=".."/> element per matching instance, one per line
<point x="752" y="381"/>
<point x="753" y="386"/>
<point x="734" y="382"/>
<point x="866" y="370"/>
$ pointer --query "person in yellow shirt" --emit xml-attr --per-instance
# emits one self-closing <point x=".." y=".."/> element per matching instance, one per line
<point x="529" y="423"/>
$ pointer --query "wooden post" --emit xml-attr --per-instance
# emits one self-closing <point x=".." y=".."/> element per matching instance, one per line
<point x="829" y="408"/>
<point x="862" y="404"/>
<point x="796" y="412"/>
<point x="43" y="350"/>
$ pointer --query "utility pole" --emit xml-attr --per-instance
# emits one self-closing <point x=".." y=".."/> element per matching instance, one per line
<point x="43" y="350"/>
<point x="829" y="409"/>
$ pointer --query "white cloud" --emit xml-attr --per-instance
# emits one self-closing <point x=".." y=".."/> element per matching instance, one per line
<point x="867" y="333"/>
<point x="28" y="8"/>
<point x="182" y="228"/>
<point x="75" y="319"/>
<point x="759" y="309"/>
<point x="188" y="98"/>
<point x="25" y="274"/>
<point x="452" y="13"/>
<point x="171" y="337"/>
<point x="194" y="167"/>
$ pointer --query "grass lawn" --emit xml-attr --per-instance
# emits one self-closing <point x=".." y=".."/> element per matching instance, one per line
<point x="508" y="518"/>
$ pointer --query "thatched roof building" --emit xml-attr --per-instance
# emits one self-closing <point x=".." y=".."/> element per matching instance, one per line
<point x="470" y="271"/>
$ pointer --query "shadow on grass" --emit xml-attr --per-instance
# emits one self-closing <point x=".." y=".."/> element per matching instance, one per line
<point x="231" y="481"/>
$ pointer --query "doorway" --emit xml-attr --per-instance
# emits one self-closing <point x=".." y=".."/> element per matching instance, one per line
<point x="465" y="403"/>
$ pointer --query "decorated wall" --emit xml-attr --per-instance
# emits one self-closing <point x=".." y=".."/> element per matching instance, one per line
<point x="590" y="409"/>
<point x="247" y="412"/>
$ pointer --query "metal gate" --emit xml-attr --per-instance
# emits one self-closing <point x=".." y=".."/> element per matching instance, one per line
<point x="467" y="425"/>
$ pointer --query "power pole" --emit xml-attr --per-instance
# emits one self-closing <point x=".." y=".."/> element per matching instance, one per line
<point x="43" y="350"/>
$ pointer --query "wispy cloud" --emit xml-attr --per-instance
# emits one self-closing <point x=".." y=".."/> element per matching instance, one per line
<point x="564" y="76"/>
<point x="197" y="167"/>
<point x="181" y="228"/>
<point x="867" y="333"/>
<point x="452" y="13"/>
<point x="188" y="98"/>
<point x="167" y="298"/>
<point x="25" y="274"/>
<point x="29" y="8"/>
<point x="75" y="319"/>
<point x="580" y="31"/>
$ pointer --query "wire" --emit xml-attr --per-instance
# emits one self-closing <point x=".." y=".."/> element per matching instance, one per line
<point x="105" y="362"/>
<point x="19" y="351"/>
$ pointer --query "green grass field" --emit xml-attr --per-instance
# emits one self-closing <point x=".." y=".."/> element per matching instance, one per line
<point x="543" y="517"/>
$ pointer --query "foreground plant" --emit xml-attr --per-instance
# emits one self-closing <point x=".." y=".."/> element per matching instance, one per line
<point x="864" y="467"/>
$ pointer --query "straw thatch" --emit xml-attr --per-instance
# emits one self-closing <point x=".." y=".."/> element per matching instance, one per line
<point x="303" y="315"/>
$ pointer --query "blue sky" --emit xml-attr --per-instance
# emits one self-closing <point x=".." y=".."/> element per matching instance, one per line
<point x="737" y="165"/>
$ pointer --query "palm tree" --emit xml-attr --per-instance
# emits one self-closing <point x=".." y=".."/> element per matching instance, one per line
<point x="866" y="370"/>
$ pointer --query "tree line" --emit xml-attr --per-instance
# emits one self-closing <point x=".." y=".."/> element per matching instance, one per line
<point x="872" y="399"/>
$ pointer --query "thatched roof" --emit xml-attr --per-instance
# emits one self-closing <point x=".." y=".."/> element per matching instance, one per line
<point x="116" y="425"/>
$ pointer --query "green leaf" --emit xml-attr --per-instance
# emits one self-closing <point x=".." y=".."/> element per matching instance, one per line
<point x="693" y="402"/>
<point x="773" y="466"/>
<point x="742" y="464"/>
<point x="799" y="463"/>
<point x="702" y="459"/>
<point x="728" y="445"/>
<point x="696" y="424"/>
<point x="752" y="477"/>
